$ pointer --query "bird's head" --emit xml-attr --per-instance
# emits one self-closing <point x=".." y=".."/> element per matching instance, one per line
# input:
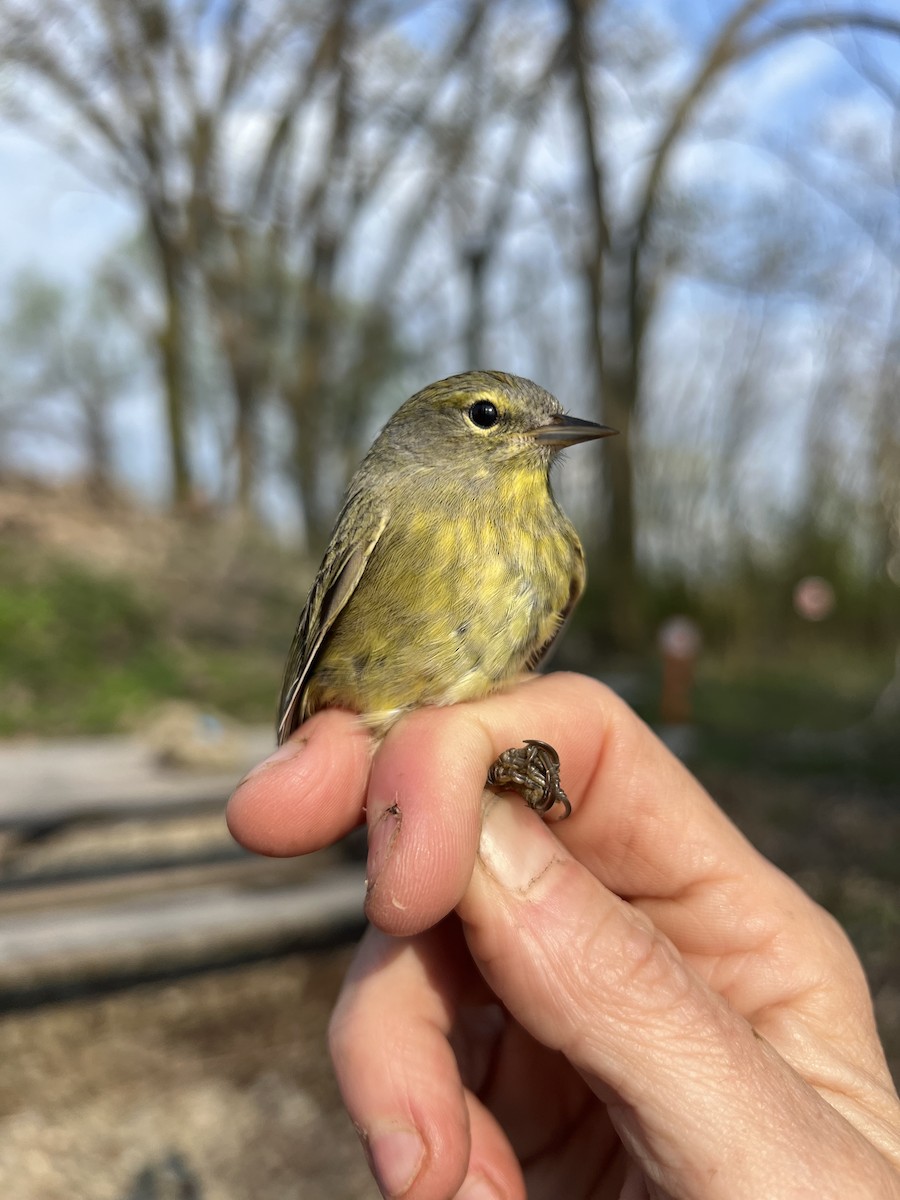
<point x="482" y="419"/>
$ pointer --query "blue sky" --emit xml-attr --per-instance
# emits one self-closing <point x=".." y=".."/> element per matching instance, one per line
<point x="58" y="221"/>
<point x="54" y="219"/>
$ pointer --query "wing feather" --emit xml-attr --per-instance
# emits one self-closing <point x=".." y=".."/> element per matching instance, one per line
<point x="341" y="570"/>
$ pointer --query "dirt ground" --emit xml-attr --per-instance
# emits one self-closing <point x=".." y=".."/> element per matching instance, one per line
<point x="218" y="1086"/>
<point x="214" y="1087"/>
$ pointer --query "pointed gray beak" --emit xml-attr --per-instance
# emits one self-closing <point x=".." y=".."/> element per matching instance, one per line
<point x="563" y="430"/>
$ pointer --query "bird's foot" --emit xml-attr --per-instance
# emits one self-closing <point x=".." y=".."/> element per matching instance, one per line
<point x="531" y="770"/>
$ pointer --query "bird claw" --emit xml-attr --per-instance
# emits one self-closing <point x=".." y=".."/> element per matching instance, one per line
<point x="531" y="770"/>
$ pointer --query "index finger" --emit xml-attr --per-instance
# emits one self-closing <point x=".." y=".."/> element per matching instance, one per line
<point x="309" y="793"/>
<point x="640" y="822"/>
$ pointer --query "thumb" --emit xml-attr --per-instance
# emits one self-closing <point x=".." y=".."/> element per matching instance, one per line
<point x="705" y="1105"/>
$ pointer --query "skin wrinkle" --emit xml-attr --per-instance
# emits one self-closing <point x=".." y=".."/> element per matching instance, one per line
<point x="804" y="997"/>
<point x="661" y="1151"/>
<point x="701" y="867"/>
<point x="523" y="892"/>
<point x="599" y="969"/>
<point x="697" y="1056"/>
<point x="642" y="948"/>
<point x="787" y="1093"/>
<point x="861" y="1099"/>
<point x="778" y="946"/>
<point x="689" y="1041"/>
<point x="866" y="1095"/>
<point x="819" y="1013"/>
<point x="857" y="1103"/>
<point x="701" y="903"/>
<point x="639" y="964"/>
<point x="729" y="972"/>
<point x="668" y="1146"/>
<point x="683" y="1006"/>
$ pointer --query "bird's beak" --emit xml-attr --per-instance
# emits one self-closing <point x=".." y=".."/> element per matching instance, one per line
<point x="562" y="430"/>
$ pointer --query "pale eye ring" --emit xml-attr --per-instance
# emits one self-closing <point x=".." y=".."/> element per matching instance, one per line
<point x="483" y="414"/>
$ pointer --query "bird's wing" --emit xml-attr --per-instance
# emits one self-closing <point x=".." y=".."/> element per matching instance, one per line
<point x="345" y="560"/>
<point x="576" y="587"/>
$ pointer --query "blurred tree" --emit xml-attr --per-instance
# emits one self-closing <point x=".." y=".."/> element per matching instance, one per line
<point x="631" y="253"/>
<point x="60" y="380"/>
<point x="333" y="190"/>
<point x="104" y="79"/>
<point x="253" y="150"/>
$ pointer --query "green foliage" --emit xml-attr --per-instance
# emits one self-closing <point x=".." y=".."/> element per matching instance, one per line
<point x="82" y="652"/>
<point x="78" y="652"/>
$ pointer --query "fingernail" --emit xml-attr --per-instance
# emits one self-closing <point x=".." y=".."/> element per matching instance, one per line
<point x="396" y="1157"/>
<point x="477" y="1188"/>
<point x="516" y="847"/>
<point x="290" y="749"/>
<point x="382" y="836"/>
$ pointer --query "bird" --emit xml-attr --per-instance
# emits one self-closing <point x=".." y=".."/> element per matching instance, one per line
<point x="451" y="567"/>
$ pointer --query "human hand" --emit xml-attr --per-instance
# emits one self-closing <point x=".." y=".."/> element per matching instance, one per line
<point x="629" y="1003"/>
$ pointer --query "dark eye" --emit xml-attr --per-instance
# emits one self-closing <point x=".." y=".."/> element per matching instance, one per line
<point x="483" y="414"/>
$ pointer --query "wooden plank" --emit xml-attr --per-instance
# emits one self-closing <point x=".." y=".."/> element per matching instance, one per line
<point x="79" y="848"/>
<point x="172" y="929"/>
<point x="245" y="870"/>
<point x="114" y="871"/>
<point x="45" y="782"/>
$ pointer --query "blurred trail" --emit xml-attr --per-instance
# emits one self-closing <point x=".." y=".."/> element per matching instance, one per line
<point x="116" y="868"/>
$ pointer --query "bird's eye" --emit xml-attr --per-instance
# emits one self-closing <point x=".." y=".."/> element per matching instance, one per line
<point x="483" y="414"/>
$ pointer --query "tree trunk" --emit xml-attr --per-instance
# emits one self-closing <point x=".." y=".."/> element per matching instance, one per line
<point x="626" y="609"/>
<point x="170" y="342"/>
<point x="245" y="444"/>
<point x="609" y="348"/>
<point x="620" y="384"/>
<point x="476" y="259"/>
<point x="305" y="397"/>
<point x="100" y="472"/>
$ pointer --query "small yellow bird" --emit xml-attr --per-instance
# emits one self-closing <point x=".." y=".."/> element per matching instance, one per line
<point x="451" y="567"/>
